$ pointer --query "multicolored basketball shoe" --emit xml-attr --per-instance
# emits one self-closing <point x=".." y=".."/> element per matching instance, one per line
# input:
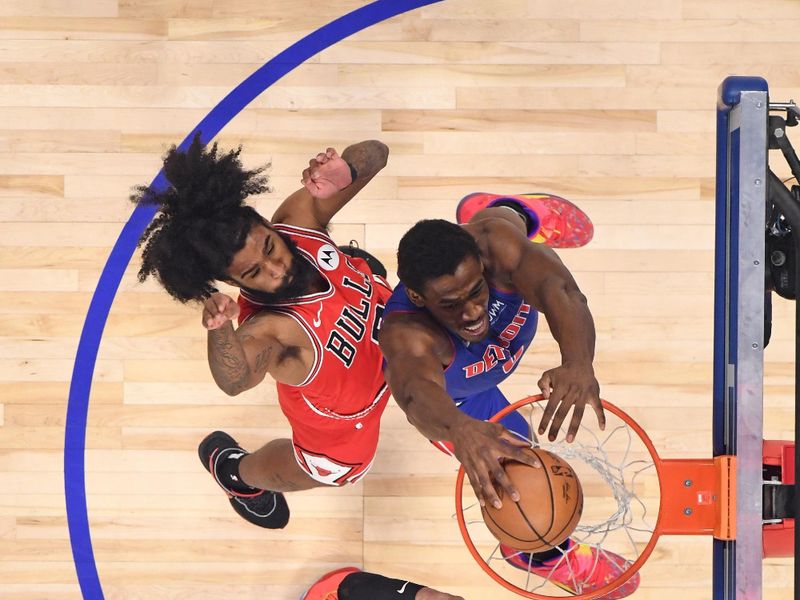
<point x="581" y="569"/>
<point x="327" y="586"/>
<point x="261" y="507"/>
<point x="552" y="220"/>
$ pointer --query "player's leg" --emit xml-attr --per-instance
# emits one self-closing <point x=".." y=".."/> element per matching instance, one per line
<point x="274" y="467"/>
<point x="549" y="219"/>
<point x="254" y="482"/>
<point x="222" y="456"/>
<point x="351" y="584"/>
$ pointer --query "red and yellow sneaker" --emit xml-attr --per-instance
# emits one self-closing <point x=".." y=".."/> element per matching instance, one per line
<point x="579" y="570"/>
<point x="327" y="586"/>
<point x="552" y="220"/>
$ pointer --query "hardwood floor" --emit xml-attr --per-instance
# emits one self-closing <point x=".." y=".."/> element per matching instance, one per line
<point x="610" y="104"/>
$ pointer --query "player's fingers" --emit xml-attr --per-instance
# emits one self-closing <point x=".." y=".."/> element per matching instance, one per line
<point x="597" y="405"/>
<point x="312" y="185"/>
<point x="331" y="152"/>
<point x="322" y="158"/>
<point x="223" y="302"/>
<point x="500" y="476"/>
<point x="545" y="385"/>
<point x="231" y="310"/>
<point x="558" y="418"/>
<point x="489" y="492"/>
<point x="525" y="456"/>
<point x="476" y="486"/>
<point x="577" y="416"/>
<point x="211" y="305"/>
<point x="549" y="410"/>
<point x="514" y="440"/>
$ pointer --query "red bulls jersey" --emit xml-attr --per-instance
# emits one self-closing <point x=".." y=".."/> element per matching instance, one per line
<point x="345" y="382"/>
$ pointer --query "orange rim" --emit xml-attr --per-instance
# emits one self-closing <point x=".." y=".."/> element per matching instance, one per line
<point x="635" y="566"/>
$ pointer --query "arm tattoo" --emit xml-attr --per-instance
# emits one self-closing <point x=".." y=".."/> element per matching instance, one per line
<point x="262" y="360"/>
<point x="227" y="360"/>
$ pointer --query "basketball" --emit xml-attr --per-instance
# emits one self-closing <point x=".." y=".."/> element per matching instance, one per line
<point x="549" y="508"/>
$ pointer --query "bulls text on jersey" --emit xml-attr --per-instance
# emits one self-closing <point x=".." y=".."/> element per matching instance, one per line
<point x="351" y="326"/>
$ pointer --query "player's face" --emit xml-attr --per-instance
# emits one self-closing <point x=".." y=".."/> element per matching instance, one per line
<point x="267" y="263"/>
<point x="460" y="301"/>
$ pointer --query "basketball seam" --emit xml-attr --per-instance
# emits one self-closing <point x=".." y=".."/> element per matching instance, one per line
<point x="511" y="535"/>
<point x="575" y="508"/>
<point x="541" y="537"/>
<point x="550" y="487"/>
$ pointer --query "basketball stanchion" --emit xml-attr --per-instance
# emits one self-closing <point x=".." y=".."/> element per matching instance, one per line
<point x="632" y="497"/>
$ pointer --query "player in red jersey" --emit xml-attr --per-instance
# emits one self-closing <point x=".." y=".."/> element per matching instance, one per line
<point x="308" y="314"/>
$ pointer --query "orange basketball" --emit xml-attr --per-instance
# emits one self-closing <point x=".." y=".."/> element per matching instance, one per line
<point x="549" y="508"/>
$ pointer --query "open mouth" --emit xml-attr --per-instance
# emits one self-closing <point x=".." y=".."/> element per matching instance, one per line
<point x="476" y="329"/>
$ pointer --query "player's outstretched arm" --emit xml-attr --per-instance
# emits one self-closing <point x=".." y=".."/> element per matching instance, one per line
<point x="329" y="182"/>
<point x="537" y="273"/>
<point x="239" y="359"/>
<point x="414" y="373"/>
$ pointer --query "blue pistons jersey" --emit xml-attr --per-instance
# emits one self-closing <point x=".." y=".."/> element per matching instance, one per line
<point x="480" y="366"/>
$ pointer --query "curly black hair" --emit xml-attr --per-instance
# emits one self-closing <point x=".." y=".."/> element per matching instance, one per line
<point x="430" y="249"/>
<point x="202" y="219"/>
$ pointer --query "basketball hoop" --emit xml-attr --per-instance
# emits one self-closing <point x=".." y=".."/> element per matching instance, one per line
<point x="695" y="496"/>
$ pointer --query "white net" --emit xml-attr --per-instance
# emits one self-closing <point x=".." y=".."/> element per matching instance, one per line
<point x="621" y="501"/>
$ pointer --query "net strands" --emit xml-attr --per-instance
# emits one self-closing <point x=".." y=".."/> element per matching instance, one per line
<point x="615" y="468"/>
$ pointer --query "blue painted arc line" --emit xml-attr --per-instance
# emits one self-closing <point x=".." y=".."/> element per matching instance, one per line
<point x="121" y="253"/>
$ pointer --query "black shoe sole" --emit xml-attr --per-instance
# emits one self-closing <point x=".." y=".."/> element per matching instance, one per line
<point x="274" y="516"/>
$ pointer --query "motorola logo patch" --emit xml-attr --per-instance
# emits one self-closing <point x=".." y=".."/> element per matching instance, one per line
<point x="328" y="257"/>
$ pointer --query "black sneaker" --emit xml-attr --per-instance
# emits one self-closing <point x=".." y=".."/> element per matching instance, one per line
<point x="262" y="507"/>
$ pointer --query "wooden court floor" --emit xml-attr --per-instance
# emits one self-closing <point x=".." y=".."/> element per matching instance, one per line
<point x="610" y="104"/>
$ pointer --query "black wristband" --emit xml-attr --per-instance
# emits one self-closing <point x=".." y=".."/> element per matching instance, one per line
<point x="353" y="172"/>
<point x="370" y="586"/>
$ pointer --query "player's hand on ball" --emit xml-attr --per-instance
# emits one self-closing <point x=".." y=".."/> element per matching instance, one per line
<point x="326" y="174"/>
<point x="482" y="447"/>
<point x="218" y="309"/>
<point x="567" y="386"/>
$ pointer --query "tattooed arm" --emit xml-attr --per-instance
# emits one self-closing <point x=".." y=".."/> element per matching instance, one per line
<point x="239" y="359"/>
<point x="303" y="209"/>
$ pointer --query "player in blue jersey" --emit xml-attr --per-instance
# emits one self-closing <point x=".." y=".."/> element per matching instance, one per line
<point x="457" y="325"/>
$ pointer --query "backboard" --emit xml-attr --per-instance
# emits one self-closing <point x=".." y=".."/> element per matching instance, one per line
<point x="742" y="114"/>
